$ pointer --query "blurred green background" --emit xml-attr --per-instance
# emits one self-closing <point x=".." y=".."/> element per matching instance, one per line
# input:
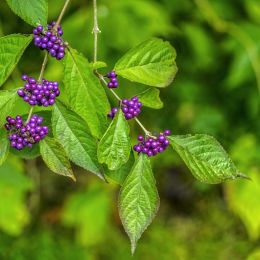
<point x="216" y="91"/>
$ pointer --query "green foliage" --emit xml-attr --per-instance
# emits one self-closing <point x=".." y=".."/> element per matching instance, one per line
<point x="118" y="176"/>
<point x="151" y="98"/>
<point x="11" y="50"/>
<point x="205" y="157"/>
<point x="73" y="134"/>
<point x="89" y="212"/>
<point x="55" y="157"/>
<point x="7" y="101"/>
<point x="138" y="199"/>
<point x="31" y="11"/>
<point x="151" y="62"/>
<point x="115" y="146"/>
<point x="14" y="185"/>
<point x="4" y="146"/>
<point x="85" y="93"/>
<point x="243" y="197"/>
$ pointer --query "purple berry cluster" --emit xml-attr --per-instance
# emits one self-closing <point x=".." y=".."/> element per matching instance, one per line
<point x="25" y="135"/>
<point x="50" y="40"/>
<point x="152" y="146"/>
<point x="113" y="83"/>
<point x="41" y="93"/>
<point x="130" y="107"/>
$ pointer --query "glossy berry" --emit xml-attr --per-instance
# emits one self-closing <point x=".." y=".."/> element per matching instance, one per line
<point x="41" y="93"/>
<point x="113" y="83"/>
<point x="50" y="40"/>
<point x="152" y="145"/>
<point x="23" y="135"/>
<point x="130" y="107"/>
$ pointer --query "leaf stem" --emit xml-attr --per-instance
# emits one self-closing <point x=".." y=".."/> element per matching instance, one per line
<point x="95" y="30"/>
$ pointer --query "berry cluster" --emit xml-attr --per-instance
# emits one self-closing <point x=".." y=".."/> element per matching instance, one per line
<point x="130" y="107"/>
<point x="25" y="135"/>
<point x="50" y="40"/>
<point x="152" y="146"/>
<point x="113" y="83"/>
<point x="41" y="93"/>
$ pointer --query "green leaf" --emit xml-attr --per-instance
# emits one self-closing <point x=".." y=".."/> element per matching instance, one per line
<point x="118" y="176"/>
<point x="55" y="157"/>
<point x="115" y="146"/>
<point x="205" y="157"/>
<point x="151" y="63"/>
<point x="72" y="132"/>
<point x="85" y="93"/>
<point x="151" y="98"/>
<point x="4" y="146"/>
<point x="31" y="11"/>
<point x="11" y="50"/>
<point x="138" y="199"/>
<point x="7" y="101"/>
<point x="98" y="65"/>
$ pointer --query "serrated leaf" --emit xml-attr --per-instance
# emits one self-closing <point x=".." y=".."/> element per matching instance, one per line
<point x="85" y="93"/>
<point x="11" y="50"/>
<point x="151" y="98"/>
<point x="205" y="157"/>
<point x="138" y="199"/>
<point x="7" y="101"/>
<point x="55" y="157"/>
<point x="31" y="11"/>
<point x="72" y="132"/>
<point x="4" y="146"/>
<point x="118" y="176"/>
<point x="115" y="146"/>
<point x="151" y="62"/>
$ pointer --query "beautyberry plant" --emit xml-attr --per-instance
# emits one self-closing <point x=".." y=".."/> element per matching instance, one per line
<point x="80" y="130"/>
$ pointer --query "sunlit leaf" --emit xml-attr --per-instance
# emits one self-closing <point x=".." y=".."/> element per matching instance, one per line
<point x="72" y="132"/>
<point x="85" y="93"/>
<point x="4" y="146"/>
<point x="115" y="146"/>
<point x="55" y="157"/>
<point x="11" y="50"/>
<point x="151" y="62"/>
<point x="151" y="98"/>
<point x="138" y="200"/>
<point x="31" y="11"/>
<point x="205" y="157"/>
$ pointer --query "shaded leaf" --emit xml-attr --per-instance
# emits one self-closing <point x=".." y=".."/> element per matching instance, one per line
<point x="11" y="50"/>
<point x="72" y="132"/>
<point x="118" y="176"/>
<point x="85" y="93"/>
<point x="4" y="146"/>
<point x="151" y="62"/>
<point x="205" y="157"/>
<point x="55" y="157"/>
<point x="138" y="199"/>
<point x="7" y="101"/>
<point x="31" y="11"/>
<point x="115" y="146"/>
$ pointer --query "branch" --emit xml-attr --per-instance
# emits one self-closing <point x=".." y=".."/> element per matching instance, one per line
<point x="95" y="30"/>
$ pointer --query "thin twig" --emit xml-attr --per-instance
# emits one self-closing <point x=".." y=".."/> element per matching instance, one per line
<point x="95" y="30"/>
<point x="61" y="14"/>
<point x="46" y="54"/>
